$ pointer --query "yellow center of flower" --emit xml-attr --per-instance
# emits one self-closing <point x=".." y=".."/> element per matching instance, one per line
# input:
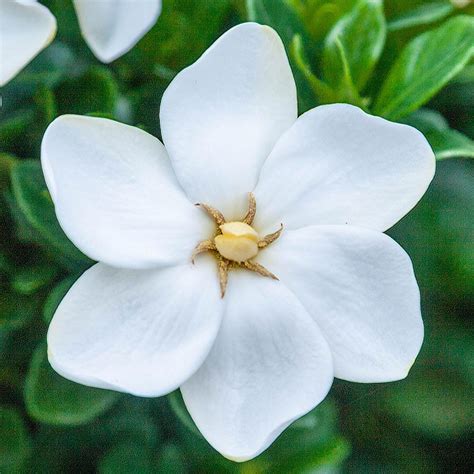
<point x="236" y="243"/>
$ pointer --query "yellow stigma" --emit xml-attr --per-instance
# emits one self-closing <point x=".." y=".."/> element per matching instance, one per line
<point x="238" y="241"/>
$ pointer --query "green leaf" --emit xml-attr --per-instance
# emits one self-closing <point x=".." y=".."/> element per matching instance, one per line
<point x="425" y="65"/>
<point x="362" y="34"/>
<point x="47" y="69"/>
<point x="55" y="297"/>
<point x="177" y="405"/>
<point x="81" y="447"/>
<point x="445" y="141"/>
<point x="171" y="461"/>
<point x="437" y="403"/>
<point x="28" y="280"/>
<point x="16" y="310"/>
<point x="321" y="91"/>
<point x="423" y="14"/>
<point x="282" y="17"/>
<point x="94" y="91"/>
<point x="14" y="442"/>
<point x="34" y="201"/>
<point x="183" y="32"/>
<point x="308" y="443"/>
<point x="126" y="458"/>
<point x="52" y="399"/>
<point x="279" y="15"/>
<point x="6" y="164"/>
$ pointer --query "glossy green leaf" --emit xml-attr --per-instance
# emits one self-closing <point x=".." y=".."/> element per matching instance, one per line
<point x="308" y="443"/>
<point x="14" y="442"/>
<point x="16" y="310"/>
<point x="279" y="15"/>
<point x="52" y="399"/>
<point x="423" y="14"/>
<point x="82" y="447"/>
<point x="171" y="461"/>
<point x="29" y="279"/>
<point x="437" y="403"/>
<point x="6" y="164"/>
<point x="424" y="66"/>
<point x="183" y="31"/>
<point x="282" y="17"/>
<point x="362" y="34"/>
<point x="34" y="201"/>
<point x="320" y="89"/>
<point x="48" y="69"/>
<point x="176" y="402"/>
<point x="126" y="458"/>
<point x="445" y="141"/>
<point x="94" y="91"/>
<point x="14" y="127"/>
<point x="55" y="297"/>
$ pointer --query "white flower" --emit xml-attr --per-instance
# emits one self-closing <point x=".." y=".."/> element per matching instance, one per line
<point x="113" y="27"/>
<point x="145" y="320"/>
<point x="26" y="28"/>
<point x="110" y="27"/>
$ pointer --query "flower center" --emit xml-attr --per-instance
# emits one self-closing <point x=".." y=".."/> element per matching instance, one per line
<point x="236" y="243"/>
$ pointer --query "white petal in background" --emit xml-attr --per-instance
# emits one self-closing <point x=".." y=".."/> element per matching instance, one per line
<point x="339" y="165"/>
<point x="26" y="28"/>
<point x="141" y="332"/>
<point x="116" y="196"/>
<point x="112" y="27"/>
<point x="359" y="287"/>
<point x="269" y="366"/>
<point x="221" y="116"/>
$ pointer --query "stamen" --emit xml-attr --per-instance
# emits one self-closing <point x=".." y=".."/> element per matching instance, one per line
<point x="257" y="268"/>
<point x="223" y="268"/>
<point x="204" y="246"/>
<point x="235" y="243"/>
<point x="248" y="219"/>
<point x="268" y="239"/>
<point x="214" y="213"/>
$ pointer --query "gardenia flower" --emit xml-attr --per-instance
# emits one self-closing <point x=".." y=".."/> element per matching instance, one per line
<point x="293" y="282"/>
<point x="26" y="28"/>
<point x="110" y="27"/>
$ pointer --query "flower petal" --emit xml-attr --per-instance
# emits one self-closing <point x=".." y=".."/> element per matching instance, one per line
<point x="26" y="28"/>
<point x="221" y="116"/>
<point x="339" y="165"/>
<point x="113" y="27"/>
<point x="359" y="287"/>
<point x="269" y="365"/>
<point x="116" y="195"/>
<point x="141" y="332"/>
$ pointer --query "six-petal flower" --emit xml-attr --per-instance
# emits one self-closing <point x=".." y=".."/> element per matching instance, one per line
<point x="145" y="320"/>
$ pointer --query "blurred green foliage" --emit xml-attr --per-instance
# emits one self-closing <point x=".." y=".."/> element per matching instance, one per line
<point x="406" y="60"/>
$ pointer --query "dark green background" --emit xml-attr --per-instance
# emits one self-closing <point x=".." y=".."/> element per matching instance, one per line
<point x="420" y="425"/>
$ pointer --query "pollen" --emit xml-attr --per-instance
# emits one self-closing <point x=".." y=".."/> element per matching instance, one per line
<point x="236" y="243"/>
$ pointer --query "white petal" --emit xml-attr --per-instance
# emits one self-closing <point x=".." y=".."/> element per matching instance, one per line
<point x="221" y="116"/>
<point x="26" y="27"/>
<point x="113" y="27"/>
<point x="359" y="287"/>
<point x="141" y="332"/>
<point x="339" y="165"/>
<point x="116" y="195"/>
<point x="269" y="365"/>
